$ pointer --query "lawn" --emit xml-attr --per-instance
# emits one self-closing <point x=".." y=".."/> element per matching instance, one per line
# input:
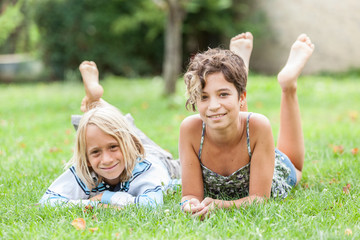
<point x="36" y="139"/>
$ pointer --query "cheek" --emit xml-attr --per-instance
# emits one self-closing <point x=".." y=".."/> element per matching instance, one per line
<point x="90" y="162"/>
<point x="120" y="156"/>
<point x="201" y="106"/>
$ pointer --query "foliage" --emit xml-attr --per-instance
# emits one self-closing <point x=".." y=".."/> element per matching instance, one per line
<point x="126" y="37"/>
<point x="18" y="34"/>
<point x="39" y="139"/>
<point x="121" y="36"/>
<point x="10" y="20"/>
<point x="211" y="23"/>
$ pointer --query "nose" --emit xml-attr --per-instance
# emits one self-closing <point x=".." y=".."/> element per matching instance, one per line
<point x="107" y="157"/>
<point x="214" y="104"/>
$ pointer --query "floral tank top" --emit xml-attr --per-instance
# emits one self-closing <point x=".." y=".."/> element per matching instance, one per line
<point x="236" y="185"/>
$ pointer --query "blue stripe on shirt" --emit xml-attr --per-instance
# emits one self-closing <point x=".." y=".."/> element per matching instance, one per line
<point x="78" y="180"/>
<point x="141" y="167"/>
<point x="148" y="200"/>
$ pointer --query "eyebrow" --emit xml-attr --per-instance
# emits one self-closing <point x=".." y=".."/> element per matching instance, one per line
<point x="220" y="90"/>
<point x="92" y="149"/>
<point x="224" y="89"/>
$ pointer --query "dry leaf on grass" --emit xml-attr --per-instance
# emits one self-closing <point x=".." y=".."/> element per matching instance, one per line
<point x="93" y="229"/>
<point x="337" y="149"/>
<point x="68" y="131"/>
<point x="354" y="151"/>
<point x="348" y="232"/>
<point x="79" y="224"/>
<point x="55" y="149"/>
<point x="346" y="189"/>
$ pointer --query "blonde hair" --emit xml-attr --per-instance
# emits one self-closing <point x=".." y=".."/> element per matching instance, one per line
<point x="212" y="61"/>
<point x="110" y="120"/>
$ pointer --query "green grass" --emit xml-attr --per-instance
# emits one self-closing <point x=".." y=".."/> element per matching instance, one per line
<point x="36" y="139"/>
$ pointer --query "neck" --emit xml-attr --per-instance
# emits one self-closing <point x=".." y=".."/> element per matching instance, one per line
<point x="228" y="136"/>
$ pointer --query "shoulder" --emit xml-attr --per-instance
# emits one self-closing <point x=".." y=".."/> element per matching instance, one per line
<point x="191" y="122"/>
<point x="150" y="167"/>
<point x="259" y="125"/>
<point x="191" y="128"/>
<point x="148" y="175"/>
<point x="258" y="120"/>
<point x="69" y="185"/>
<point x="191" y="125"/>
<point x="142" y="167"/>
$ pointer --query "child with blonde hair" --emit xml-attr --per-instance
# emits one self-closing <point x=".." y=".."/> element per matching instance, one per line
<point x="228" y="156"/>
<point x="114" y="163"/>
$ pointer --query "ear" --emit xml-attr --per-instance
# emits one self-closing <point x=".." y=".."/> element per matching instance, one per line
<point x="243" y="103"/>
<point x="243" y="96"/>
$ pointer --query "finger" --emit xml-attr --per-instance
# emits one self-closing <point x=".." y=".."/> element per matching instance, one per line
<point x="193" y="208"/>
<point x="201" y="213"/>
<point x="207" y="201"/>
<point x="194" y="201"/>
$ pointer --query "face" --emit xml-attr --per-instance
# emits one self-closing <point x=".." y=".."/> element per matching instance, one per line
<point x="219" y="104"/>
<point x="104" y="155"/>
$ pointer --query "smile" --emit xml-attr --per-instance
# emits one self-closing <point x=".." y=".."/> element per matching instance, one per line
<point x="110" y="168"/>
<point x="217" y="115"/>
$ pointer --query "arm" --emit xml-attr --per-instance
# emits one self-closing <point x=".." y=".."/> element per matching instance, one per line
<point x="263" y="158"/>
<point x="67" y="190"/>
<point x="191" y="176"/>
<point x="261" y="168"/>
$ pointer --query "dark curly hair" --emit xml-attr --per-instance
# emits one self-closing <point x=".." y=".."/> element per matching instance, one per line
<point x="209" y="62"/>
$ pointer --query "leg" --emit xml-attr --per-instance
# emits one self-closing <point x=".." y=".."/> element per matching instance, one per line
<point x="93" y="89"/>
<point x="291" y="140"/>
<point x="242" y="45"/>
<point x="173" y="166"/>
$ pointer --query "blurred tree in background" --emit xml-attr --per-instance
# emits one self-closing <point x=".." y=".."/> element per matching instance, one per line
<point x="206" y="23"/>
<point x="18" y="32"/>
<point x="123" y="37"/>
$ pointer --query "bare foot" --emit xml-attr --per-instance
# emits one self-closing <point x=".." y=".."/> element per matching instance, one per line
<point x="242" y="45"/>
<point x="90" y="76"/>
<point x="300" y="52"/>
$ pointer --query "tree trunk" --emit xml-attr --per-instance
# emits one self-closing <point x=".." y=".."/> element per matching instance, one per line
<point x="173" y="45"/>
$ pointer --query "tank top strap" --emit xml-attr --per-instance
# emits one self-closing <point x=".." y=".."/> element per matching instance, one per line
<point x="247" y="138"/>
<point x="202" y="141"/>
<point x="248" y="135"/>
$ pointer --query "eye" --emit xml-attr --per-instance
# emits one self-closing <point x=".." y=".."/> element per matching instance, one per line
<point x="204" y="97"/>
<point x="224" y="94"/>
<point x="95" y="153"/>
<point x="114" y="147"/>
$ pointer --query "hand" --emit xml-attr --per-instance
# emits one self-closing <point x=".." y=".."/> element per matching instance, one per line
<point x="208" y="206"/>
<point x="96" y="198"/>
<point x="192" y="206"/>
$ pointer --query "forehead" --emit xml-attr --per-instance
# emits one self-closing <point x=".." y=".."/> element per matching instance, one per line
<point x="97" y="137"/>
<point x="217" y="81"/>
